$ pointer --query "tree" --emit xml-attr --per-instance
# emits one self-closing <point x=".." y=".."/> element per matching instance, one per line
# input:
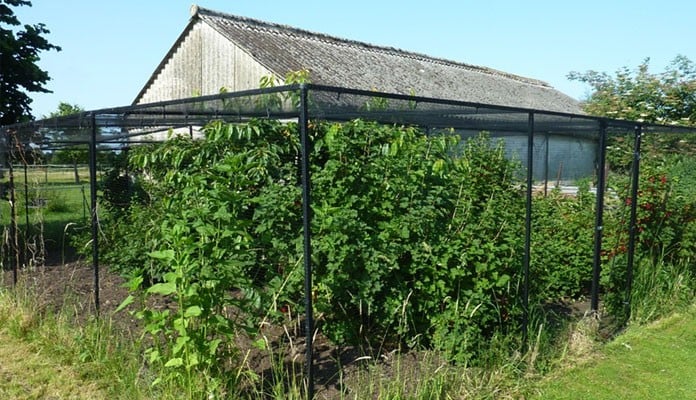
<point x="72" y="155"/>
<point x="664" y="98"/>
<point x="19" y="73"/>
<point x="65" y="109"/>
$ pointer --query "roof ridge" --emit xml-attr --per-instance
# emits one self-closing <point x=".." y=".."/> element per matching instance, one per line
<point x="287" y="29"/>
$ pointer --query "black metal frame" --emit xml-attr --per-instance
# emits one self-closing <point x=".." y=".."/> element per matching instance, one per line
<point x="305" y="144"/>
<point x="338" y="104"/>
<point x="633" y="228"/>
<point x="599" y="217"/>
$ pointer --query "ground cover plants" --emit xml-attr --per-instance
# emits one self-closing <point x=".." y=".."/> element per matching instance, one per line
<point x="67" y="354"/>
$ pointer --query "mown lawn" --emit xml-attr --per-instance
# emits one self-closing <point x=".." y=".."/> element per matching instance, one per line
<point x="657" y="361"/>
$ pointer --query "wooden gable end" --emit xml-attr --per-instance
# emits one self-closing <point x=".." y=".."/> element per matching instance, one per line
<point x="201" y="62"/>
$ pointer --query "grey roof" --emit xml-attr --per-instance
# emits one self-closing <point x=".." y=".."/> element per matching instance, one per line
<point x="346" y="63"/>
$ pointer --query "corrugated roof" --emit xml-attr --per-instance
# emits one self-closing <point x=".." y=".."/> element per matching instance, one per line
<point x="346" y="63"/>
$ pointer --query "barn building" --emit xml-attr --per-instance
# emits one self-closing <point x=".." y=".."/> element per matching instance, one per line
<point x="218" y="50"/>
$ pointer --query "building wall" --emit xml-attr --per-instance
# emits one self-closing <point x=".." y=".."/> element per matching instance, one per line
<point x="558" y="158"/>
<point x="569" y="158"/>
<point x="203" y="63"/>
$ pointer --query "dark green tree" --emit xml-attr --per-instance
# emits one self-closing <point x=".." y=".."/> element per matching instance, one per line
<point x="19" y="72"/>
<point x="65" y="109"/>
<point x="668" y="97"/>
<point x="71" y="155"/>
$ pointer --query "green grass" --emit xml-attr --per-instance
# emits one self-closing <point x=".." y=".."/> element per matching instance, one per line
<point x="54" y="212"/>
<point x="50" y="175"/>
<point x="51" y="355"/>
<point x="28" y="373"/>
<point x="427" y="376"/>
<point x="646" y="362"/>
<point x="46" y="355"/>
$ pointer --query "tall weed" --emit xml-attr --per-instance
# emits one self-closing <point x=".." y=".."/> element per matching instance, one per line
<point x="661" y="289"/>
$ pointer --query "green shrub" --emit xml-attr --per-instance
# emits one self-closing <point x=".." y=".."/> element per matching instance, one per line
<point x="562" y="245"/>
<point x="665" y="224"/>
<point x="56" y="202"/>
<point x="417" y="239"/>
<point x="407" y="228"/>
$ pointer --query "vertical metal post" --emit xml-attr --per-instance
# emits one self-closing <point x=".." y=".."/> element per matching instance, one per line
<point x="546" y="166"/>
<point x="306" y="223"/>
<point x="13" y="250"/>
<point x="126" y="171"/>
<point x="93" y="199"/>
<point x="84" y="203"/>
<point x="599" y="217"/>
<point x="528" y="225"/>
<point x="632" y="231"/>
<point x="27" y="233"/>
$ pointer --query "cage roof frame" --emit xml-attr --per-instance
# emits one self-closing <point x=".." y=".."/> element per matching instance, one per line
<point x="325" y="103"/>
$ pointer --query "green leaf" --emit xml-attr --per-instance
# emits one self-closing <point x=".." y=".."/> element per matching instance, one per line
<point x="165" y="255"/>
<point x="125" y="303"/>
<point x="192" y="360"/>
<point x="154" y="356"/>
<point x="438" y="166"/>
<point x="213" y="345"/>
<point x="175" y="362"/>
<point x="193" y="311"/>
<point x="503" y="280"/>
<point x="180" y="343"/>
<point x="260" y="344"/>
<point x="180" y="324"/>
<point x="164" y="289"/>
<point x="134" y="283"/>
<point x="191" y="291"/>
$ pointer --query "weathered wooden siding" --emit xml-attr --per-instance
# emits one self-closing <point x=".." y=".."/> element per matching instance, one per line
<point x="202" y="63"/>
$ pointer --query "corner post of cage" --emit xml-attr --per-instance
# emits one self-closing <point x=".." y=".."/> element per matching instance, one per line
<point x="599" y="216"/>
<point x="633" y="229"/>
<point x="528" y="225"/>
<point x="306" y="224"/>
<point x="93" y="208"/>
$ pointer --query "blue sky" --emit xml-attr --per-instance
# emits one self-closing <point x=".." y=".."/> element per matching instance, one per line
<point x="110" y="48"/>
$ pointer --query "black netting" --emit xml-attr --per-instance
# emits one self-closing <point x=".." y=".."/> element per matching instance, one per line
<point x="77" y="187"/>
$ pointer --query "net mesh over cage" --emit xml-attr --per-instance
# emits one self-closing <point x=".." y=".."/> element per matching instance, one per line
<point x="69" y="183"/>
